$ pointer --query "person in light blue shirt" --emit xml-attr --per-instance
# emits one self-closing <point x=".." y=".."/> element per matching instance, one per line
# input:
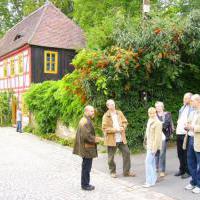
<point x="19" y="120"/>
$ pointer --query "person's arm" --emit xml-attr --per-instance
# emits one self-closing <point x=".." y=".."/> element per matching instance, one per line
<point x="85" y="130"/>
<point x="171" y="124"/>
<point x="124" y="120"/>
<point x="158" y="136"/>
<point x="196" y="128"/>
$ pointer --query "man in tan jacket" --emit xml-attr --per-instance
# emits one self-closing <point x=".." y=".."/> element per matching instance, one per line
<point x="193" y="150"/>
<point x="114" y="125"/>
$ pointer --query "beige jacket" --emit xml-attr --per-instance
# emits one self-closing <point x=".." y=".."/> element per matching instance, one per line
<point x="108" y="130"/>
<point x="153" y="135"/>
<point x="197" y="133"/>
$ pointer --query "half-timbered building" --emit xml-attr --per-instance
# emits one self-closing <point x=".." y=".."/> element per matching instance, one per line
<point x="40" y="47"/>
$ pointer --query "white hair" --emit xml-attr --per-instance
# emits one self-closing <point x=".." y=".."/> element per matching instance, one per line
<point x="195" y="97"/>
<point x="88" y="107"/>
<point x="109" y="101"/>
<point x="188" y="94"/>
<point x="160" y="103"/>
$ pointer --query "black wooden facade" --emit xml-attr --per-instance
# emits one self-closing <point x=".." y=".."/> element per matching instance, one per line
<point x="65" y="57"/>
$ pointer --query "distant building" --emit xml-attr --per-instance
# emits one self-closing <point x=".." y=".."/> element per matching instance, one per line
<point x="40" y="47"/>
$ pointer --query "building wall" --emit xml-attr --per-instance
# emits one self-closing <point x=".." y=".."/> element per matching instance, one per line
<point x="64" y="59"/>
<point x="19" y="81"/>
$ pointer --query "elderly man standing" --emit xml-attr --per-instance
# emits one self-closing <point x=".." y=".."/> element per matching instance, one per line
<point x="194" y="146"/>
<point x="86" y="146"/>
<point x="184" y="113"/>
<point x="114" y="126"/>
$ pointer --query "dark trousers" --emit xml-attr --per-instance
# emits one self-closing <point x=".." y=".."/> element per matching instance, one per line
<point x="85" y="173"/>
<point x="125" y="154"/>
<point x="182" y="154"/>
<point x="193" y="163"/>
<point x="19" y="126"/>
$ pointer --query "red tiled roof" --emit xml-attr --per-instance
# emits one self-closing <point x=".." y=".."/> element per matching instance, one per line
<point x="47" y="27"/>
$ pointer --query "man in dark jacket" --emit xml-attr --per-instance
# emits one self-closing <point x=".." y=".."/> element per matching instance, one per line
<point x="86" y="146"/>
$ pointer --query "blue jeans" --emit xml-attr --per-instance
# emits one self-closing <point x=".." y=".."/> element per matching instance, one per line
<point x="150" y="165"/>
<point x="193" y="159"/>
<point x="19" y="126"/>
<point x="161" y="157"/>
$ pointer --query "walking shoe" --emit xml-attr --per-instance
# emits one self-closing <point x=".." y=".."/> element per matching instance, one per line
<point x="179" y="173"/>
<point x="162" y="174"/>
<point x="196" y="190"/>
<point x="186" y="175"/>
<point x="113" y="175"/>
<point x="189" y="187"/>
<point x="147" y="185"/>
<point x="131" y="174"/>
<point x="88" y="188"/>
<point x="157" y="170"/>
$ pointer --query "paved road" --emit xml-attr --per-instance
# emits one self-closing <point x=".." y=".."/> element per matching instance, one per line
<point x="171" y="186"/>
<point x="34" y="169"/>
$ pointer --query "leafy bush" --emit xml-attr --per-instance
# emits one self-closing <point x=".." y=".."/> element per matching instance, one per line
<point x="41" y="102"/>
<point x="5" y="108"/>
<point x="156" y="61"/>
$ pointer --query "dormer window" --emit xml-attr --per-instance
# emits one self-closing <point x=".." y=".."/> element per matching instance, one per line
<point x="18" y="36"/>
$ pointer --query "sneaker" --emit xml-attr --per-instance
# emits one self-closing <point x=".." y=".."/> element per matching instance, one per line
<point x="179" y="173"/>
<point x="189" y="187"/>
<point x="113" y="175"/>
<point x="157" y="170"/>
<point x="162" y="174"/>
<point x="130" y="174"/>
<point x="196" y="190"/>
<point x="146" y="185"/>
<point x="184" y="176"/>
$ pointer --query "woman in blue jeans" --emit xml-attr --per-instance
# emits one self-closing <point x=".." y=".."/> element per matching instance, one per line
<point x="153" y="138"/>
<point x="167" y="130"/>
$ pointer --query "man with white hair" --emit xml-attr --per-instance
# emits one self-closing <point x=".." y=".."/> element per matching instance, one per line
<point x="194" y="146"/>
<point x="114" y="126"/>
<point x="184" y="113"/>
<point x="86" y="146"/>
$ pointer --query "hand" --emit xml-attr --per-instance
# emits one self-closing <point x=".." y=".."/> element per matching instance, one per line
<point x="190" y="127"/>
<point x="117" y="130"/>
<point x="121" y="129"/>
<point x="98" y="139"/>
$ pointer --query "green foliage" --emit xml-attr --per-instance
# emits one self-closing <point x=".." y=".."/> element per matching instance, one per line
<point x="10" y="14"/>
<point x="69" y="99"/>
<point x="42" y="103"/>
<point x="5" y="109"/>
<point x="158" y="57"/>
<point x="153" y="63"/>
<point x="50" y="101"/>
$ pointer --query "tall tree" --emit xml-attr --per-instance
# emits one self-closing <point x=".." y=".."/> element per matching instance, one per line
<point x="10" y="14"/>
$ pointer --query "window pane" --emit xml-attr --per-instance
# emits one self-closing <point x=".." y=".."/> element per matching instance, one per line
<point x="20" y="64"/>
<point x="48" y="66"/>
<point x="48" y="57"/>
<point x="53" y="67"/>
<point x="53" y="57"/>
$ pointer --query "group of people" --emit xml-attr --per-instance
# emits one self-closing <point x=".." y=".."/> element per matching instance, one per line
<point x="114" y="125"/>
<point x="159" y="129"/>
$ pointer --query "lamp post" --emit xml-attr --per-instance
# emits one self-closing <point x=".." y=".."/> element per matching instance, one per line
<point x="146" y="8"/>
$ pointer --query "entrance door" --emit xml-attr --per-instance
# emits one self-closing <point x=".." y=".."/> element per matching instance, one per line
<point x="14" y="110"/>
